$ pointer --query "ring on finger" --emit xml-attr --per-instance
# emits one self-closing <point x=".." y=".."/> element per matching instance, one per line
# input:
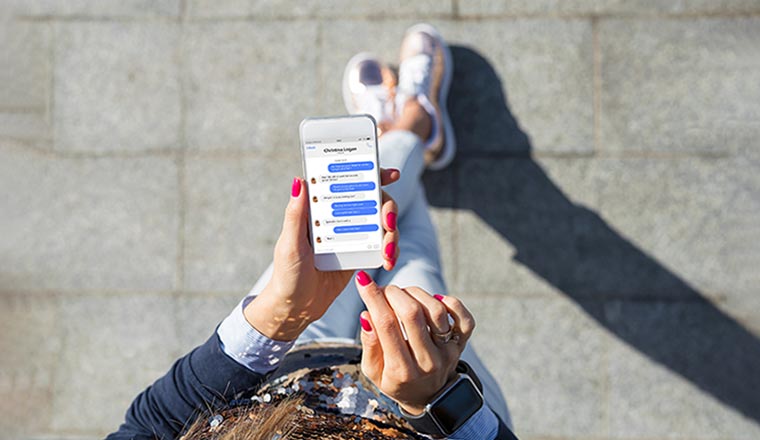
<point x="445" y="338"/>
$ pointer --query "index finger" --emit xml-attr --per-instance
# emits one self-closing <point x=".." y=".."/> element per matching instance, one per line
<point x="389" y="175"/>
<point x="383" y="318"/>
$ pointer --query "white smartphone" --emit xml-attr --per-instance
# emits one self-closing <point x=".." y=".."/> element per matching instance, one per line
<point x="340" y="164"/>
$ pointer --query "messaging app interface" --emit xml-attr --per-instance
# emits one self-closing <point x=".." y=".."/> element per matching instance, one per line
<point x="343" y="188"/>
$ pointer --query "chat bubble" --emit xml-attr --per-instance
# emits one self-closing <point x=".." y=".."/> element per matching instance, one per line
<point x="345" y="221"/>
<point x="354" y="205"/>
<point x="352" y="177"/>
<point x="346" y="167"/>
<point x="351" y="237"/>
<point x="354" y="212"/>
<point x="352" y="196"/>
<point x="352" y="187"/>
<point x="355" y="228"/>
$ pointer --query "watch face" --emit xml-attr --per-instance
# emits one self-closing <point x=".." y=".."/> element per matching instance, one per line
<point x="455" y="407"/>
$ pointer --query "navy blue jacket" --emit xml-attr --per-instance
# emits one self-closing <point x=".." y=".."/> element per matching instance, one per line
<point x="205" y="378"/>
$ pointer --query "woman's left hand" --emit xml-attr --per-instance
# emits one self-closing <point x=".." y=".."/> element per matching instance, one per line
<point x="298" y="293"/>
<point x="414" y="370"/>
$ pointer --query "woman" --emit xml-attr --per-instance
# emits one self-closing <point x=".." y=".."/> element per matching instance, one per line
<point x="285" y="363"/>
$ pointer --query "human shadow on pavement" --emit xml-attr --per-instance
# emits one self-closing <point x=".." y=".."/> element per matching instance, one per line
<point x="571" y="247"/>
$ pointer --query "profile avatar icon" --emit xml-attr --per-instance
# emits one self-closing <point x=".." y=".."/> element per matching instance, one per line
<point x="313" y="180"/>
<point x="316" y="223"/>
<point x="319" y="239"/>
<point x="314" y="199"/>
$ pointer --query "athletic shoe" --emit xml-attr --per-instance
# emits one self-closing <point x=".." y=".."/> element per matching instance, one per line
<point x="425" y="72"/>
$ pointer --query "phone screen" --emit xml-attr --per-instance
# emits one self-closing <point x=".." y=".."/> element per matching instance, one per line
<point x="343" y="182"/>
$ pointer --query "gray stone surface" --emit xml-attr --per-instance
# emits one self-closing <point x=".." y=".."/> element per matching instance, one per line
<point x="555" y="388"/>
<point x="233" y="218"/>
<point x="26" y="72"/>
<point x="198" y="315"/>
<point x="637" y="234"/>
<point x="544" y="65"/>
<point x="117" y="86"/>
<point x="90" y="224"/>
<point x="317" y="8"/>
<point x="696" y="349"/>
<point x="30" y="345"/>
<point x="95" y="8"/>
<point x="680" y="86"/>
<point x="695" y="217"/>
<point x="113" y="347"/>
<point x="487" y="8"/>
<point x="249" y="85"/>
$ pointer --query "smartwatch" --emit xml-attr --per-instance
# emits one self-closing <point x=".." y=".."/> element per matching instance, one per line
<point x="451" y="407"/>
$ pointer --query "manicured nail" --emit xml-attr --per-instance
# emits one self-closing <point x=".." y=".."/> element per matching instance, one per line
<point x="390" y="250"/>
<point x="365" y="324"/>
<point x="438" y="297"/>
<point x="295" y="190"/>
<point x="390" y="219"/>
<point x="363" y="278"/>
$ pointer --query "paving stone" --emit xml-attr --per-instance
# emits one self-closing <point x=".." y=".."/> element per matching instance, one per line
<point x="317" y="8"/>
<point x="96" y="8"/>
<point x="519" y="232"/>
<point x="249" y="85"/>
<point x="106" y="224"/>
<point x="543" y="66"/>
<point x="587" y="7"/>
<point x="117" y="86"/>
<point x="30" y="345"/>
<point x="113" y="348"/>
<point x="549" y="358"/>
<point x="516" y="228"/>
<point x="25" y="76"/>
<point x="695" y="218"/>
<point x="680" y="85"/>
<point x="233" y="218"/>
<point x="198" y="316"/>
<point x="682" y="371"/>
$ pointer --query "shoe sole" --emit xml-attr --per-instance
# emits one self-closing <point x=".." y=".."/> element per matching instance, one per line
<point x="449" y="141"/>
<point x="347" y="96"/>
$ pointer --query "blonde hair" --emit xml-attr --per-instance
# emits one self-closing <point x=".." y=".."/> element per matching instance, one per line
<point x="261" y="422"/>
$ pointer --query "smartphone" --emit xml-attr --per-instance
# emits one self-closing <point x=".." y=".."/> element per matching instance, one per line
<point x="340" y="164"/>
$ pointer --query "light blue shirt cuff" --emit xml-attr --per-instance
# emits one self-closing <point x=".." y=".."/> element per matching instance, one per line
<point x="482" y="425"/>
<point x="247" y="346"/>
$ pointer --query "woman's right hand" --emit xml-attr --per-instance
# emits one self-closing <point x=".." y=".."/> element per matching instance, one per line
<point x="411" y="371"/>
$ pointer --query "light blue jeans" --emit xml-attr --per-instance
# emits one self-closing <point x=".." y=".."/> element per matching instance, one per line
<point x="418" y="264"/>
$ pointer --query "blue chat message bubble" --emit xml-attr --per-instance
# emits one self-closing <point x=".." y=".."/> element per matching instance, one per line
<point x="355" y="228"/>
<point x="351" y="187"/>
<point x="354" y="205"/>
<point x="354" y="212"/>
<point x="350" y="166"/>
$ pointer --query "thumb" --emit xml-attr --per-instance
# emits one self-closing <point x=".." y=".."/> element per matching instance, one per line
<point x="372" y="352"/>
<point x="296" y="215"/>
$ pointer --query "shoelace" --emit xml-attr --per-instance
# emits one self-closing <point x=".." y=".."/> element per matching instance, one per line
<point x="414" y="75"/>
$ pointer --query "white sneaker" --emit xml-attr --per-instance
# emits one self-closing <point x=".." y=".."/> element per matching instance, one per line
<point x="369" y="87"/>
<point x="425" y="72"/>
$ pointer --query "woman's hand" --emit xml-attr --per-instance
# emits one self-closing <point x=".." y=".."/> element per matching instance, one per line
<point x="298" y="293"/>
<point x="410" y="371"/>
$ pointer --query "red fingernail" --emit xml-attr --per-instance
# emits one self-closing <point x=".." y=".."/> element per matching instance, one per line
<point x="390" y="250"/>
<point x="295" y="190"/>
<point x="392" y="261"/>
<point x="391" y="220"/>
<point x="438" y="297"/>
<point x="363" y="278"/>
<point x="365" y="324"/>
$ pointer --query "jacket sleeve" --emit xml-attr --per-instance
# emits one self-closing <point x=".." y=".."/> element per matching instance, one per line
<point x="204" y="378"/>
